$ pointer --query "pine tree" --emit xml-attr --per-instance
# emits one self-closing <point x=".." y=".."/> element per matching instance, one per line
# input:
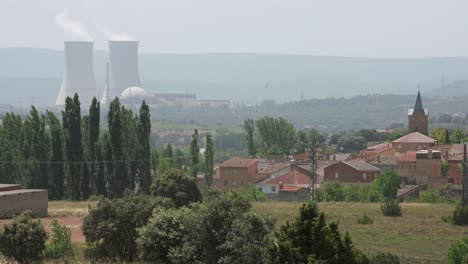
<point x="57" y="174"/>
<point x="120" y="174"/>
<point x="144" y="138"/>
<point x="209" y="155"/>
<point x="194" y="153"/>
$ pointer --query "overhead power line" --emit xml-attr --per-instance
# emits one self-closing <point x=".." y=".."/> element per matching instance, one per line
<point x="70" y="162"/>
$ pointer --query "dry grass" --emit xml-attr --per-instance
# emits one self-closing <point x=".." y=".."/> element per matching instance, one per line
<point x="419" y="236"/>
<point x="69" y="208"/>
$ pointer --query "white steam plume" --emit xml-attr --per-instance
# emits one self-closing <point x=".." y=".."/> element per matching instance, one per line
<point x="73" y="30"/>
<point x="111" y="35"/>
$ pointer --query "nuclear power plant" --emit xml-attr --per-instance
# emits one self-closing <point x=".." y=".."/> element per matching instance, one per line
<point x="78" y="76"/>
<point x="122" y="70"/>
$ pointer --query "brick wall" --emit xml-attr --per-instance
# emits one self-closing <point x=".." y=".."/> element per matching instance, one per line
<point x="17" y="201"/>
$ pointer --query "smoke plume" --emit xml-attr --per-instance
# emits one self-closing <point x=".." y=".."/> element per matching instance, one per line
<point x="73" y="30"/>
<point x="111" y="35"/>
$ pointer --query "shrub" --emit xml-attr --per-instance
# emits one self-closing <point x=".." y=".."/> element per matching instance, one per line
<point x="176" y="185"/>
<point x="387" y="184"/>
<point x="60" y="243"/>
<point x="365" y="220"/>
<point x="433" y="196"/>
<point x="23" y="239"/>
<point x="390" y="207"/>
<point x="111" y="226"/>
<point x="334" y="191"/>
<point x="460" y="215"/>
<point x="384" y="258"/>
<point x="165" y="230"/>
<point x="458" y="252"/>
<point x="251" y="194"/>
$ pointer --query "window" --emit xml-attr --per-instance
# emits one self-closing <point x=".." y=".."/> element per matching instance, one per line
<point x="234" y="172"/>
<point x="250" y="184"/>
<point x="337" y="175"/>
<point x="226" y="171"/>
<point x="260" y="189"/>
<point x="226" y="183"/>
<point x="364" y="176"/>
<point x="234" y="183"/>
<point x="273" y="188"/>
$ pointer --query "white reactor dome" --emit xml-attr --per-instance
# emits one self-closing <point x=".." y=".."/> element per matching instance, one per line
<point x="133" y="92"/>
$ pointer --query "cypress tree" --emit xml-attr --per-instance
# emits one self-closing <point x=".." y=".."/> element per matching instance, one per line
<point x="145" y="153"/>
<point x="114" y="119"/>
<point x="100" y="181"/>
<point x="209" y="154"/>
<point x="93" y="137"/>
<point x="57" y="174"/>
<point x="85" y="189"/>
<point x="73" y="144"/>
<point x="109" y="165"/>
<point x="249" y="127"/>
<point x="194" y="153"/>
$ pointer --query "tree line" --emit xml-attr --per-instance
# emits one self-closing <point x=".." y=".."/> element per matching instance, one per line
<point x="74" y="157"/>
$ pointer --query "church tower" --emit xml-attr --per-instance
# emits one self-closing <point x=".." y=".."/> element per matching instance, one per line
<point x="418" y="118"/>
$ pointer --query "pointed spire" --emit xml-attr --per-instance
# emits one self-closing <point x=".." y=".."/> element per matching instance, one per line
<point x="418" y="107"/>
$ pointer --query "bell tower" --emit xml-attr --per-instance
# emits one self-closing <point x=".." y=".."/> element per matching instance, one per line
<point x="418" y="118"/>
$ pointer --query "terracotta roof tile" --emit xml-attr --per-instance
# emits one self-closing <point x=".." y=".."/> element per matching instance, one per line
<point x="238" y="163"/>
<point x="361" y="165"/>
<point x="290" y="188"/>
<point x="408" y="156"/>
<point x="415" y="137"/>
<point x="294" y="177"/>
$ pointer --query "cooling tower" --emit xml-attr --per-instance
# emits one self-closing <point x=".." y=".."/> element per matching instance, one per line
<point x="79" y="74"/>
<point x="123" y="69"/>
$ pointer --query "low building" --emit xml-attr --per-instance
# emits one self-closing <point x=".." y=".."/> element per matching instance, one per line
<point x="293" y="194"/>
<point x="413" y="142"/>
<point x="296" y="177"/>
<point x="377" y="151"/>
<point x="354" y="171"/>
<point x="239" y="172"/>
<point x="14" y="200"/>
<point x="420" y="163"/>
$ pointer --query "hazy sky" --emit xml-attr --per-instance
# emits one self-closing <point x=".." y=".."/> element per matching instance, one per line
<point x="370" y="28"/>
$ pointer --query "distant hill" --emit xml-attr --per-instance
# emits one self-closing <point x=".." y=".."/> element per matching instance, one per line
<point x="457" y="88"/>
<point x="34" y="74"/>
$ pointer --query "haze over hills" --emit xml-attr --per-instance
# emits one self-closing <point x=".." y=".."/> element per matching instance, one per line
<point x="34" y="75"/>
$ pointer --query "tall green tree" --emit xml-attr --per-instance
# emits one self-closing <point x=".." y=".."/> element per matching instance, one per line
<point x="93" y="137"/>
<point x="109" y="165"/>
<point x="57" y="173"/>
<point x="85" y="188"/>
<point x="119" y="174"/>
<point x="276" y="131"/>
<point x="145" y="153"/>
<point x="194" y="154"/>
<point x="459" y="136"/>
<point x="73" y="144"/>
<point x="249" y="128"/>
<point x="209" y="156"/>
<point x="37" y="149"/>
<point x="100" y="178"/>
<point x="12" y="141"/>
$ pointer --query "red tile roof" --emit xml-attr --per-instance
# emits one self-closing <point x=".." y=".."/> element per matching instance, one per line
<point x="408" y="156"/>
<point x="294" y="177"/>
<point x="361" y="165"/>
<point x="238" y="163"/>
<point x="290" y="188"/>
<point x="415" y="137"/>
<point x="380" y="147"/>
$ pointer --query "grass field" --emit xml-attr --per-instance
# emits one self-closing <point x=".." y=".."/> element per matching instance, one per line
<point x="419" y="236"/>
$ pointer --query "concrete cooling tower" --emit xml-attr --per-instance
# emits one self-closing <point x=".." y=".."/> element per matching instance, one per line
<point x="123" y="69"/>
<point x="79" y="73"/>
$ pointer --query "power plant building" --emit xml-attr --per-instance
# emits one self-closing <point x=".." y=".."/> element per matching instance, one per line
<point x="123" y="69"/>
<point x="78" y="76"/>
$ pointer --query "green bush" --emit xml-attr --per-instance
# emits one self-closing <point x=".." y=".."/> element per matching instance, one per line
<point x="251" y="194"/>
<point x="164" y="231"/>
<point x="60" y="243"/>
<point x="177" y="186"/>
<point x="23" y="239"/>
<point x="111" y="226"/>
<point x="365" y="220"/>
<point x="433" y="196"/>
<point x="384" y="258"/>
<point x="460" y="215"/>
<point x="390" y="207"/>
<point x="458" y="252"/>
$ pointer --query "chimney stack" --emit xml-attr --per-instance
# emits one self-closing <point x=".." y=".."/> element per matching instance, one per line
<point x="281" y="185"/>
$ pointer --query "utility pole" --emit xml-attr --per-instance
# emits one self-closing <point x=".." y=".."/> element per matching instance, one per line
<point x="313" y="169"/>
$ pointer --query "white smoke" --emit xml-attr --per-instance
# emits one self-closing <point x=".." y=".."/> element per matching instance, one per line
<point x="73" y="30"/>
<point x="111" y="35"/>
